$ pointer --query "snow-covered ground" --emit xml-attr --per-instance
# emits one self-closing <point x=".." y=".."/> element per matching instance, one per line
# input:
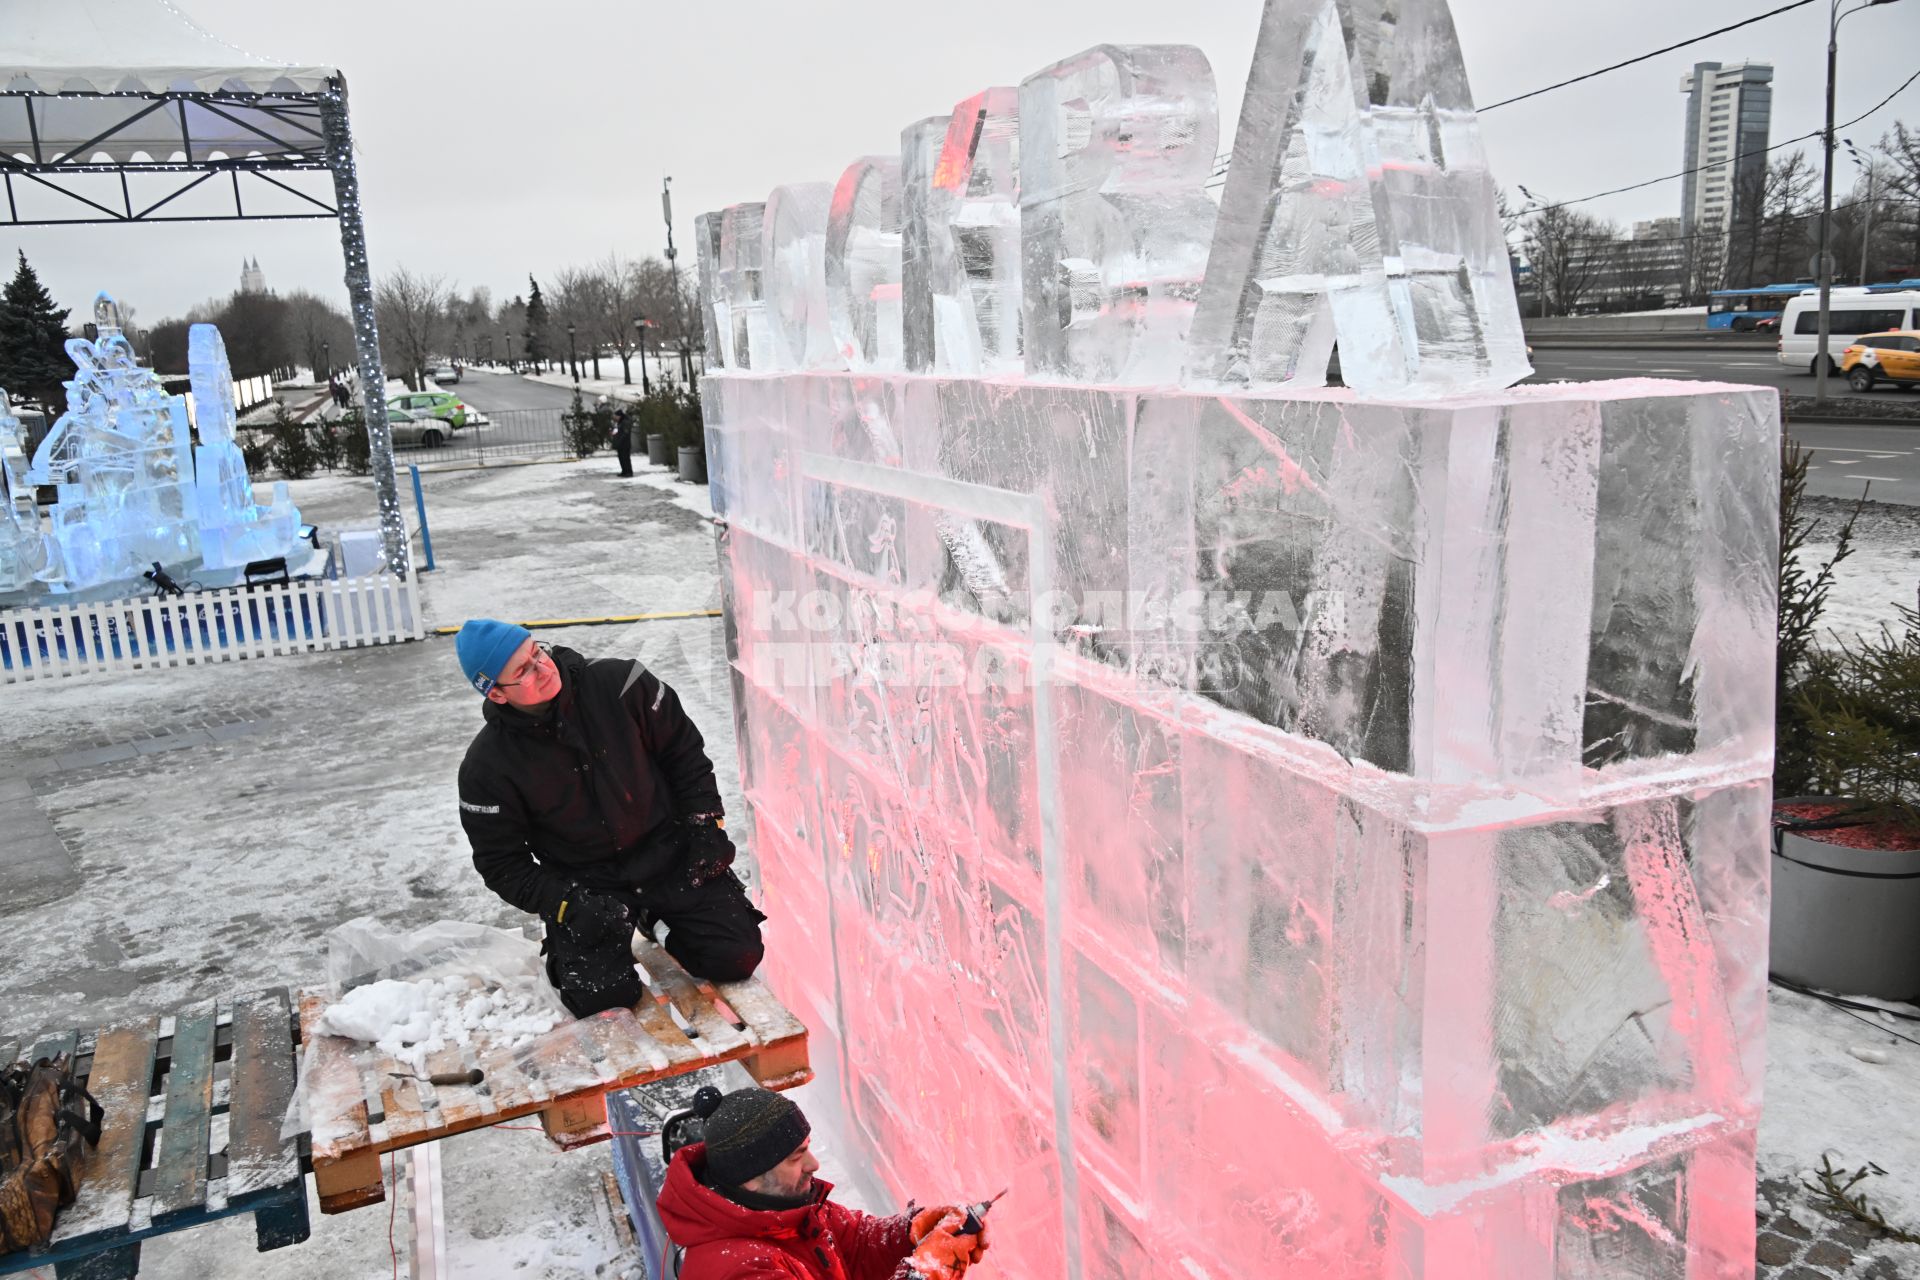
<point x="220" y="867"/>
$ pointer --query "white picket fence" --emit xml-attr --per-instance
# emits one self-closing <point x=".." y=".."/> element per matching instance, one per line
<point x="231" y="624"/>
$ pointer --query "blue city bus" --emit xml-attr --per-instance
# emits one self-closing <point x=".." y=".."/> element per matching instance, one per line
<point x="1743" y="309"/>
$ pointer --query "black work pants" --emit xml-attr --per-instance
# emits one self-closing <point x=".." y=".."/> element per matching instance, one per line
<point x="713" y="931"/>
<point x="623" y="449"/>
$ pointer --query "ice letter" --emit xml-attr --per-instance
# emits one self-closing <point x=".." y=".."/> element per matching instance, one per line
<point x="741" y="261"/>
<point x="1116" y="147"/>
<point x="795" y="258"/>
<point x="715" y="316"/>
<point x="863" y="265"/>
<point x="961" y="248"/>
<point x="1360" y="205"/>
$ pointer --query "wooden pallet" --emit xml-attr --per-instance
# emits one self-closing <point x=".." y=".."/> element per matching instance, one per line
<point x="193" y="1110"/>
<point x="563" y="1077"/>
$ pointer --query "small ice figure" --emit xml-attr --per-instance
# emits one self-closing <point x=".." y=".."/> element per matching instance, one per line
<point x="234" y="529"/>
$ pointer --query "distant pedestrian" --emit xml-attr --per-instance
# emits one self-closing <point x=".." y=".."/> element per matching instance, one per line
<point x="623" y="441"/>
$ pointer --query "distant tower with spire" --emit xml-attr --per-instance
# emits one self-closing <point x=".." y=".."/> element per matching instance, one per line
<point x="252" y="278"/>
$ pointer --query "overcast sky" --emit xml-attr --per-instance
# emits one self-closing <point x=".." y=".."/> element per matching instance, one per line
<point x="500" y="139"/>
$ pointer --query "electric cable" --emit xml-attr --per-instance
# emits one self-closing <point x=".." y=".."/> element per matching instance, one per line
<point x="1522" y="97"/>
<point x="1842" y="1007"/>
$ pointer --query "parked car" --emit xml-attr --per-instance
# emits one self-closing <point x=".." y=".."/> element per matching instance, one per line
<point x="407" y="428"/>
<point x="443" y="405"/>
<point x="1883" y="357"/>
<point x="446" y="375"/>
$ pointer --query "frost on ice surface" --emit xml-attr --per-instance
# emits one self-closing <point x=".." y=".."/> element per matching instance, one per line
<point x="1324" y="832"/>
<point x="795" y="258"/>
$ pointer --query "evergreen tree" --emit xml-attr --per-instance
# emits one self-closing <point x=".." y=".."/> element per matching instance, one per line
<point x="536" y="323"/>
<point x="33" y="337"/>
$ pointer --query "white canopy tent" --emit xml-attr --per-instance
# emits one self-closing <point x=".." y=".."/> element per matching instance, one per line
<point x="121" y="111"/>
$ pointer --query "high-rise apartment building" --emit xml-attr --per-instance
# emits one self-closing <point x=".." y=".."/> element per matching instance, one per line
<point x="1729" y="111"/>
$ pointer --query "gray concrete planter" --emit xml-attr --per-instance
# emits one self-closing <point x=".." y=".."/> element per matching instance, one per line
<point x="1845" y="920"/>
<point x="659" y="454"/>
<point x="693" y="464"/>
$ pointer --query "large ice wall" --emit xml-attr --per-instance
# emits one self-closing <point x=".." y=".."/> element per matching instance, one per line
<point x="1280" y="831"/>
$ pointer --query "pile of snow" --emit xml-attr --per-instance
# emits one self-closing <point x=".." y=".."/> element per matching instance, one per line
<point x="407" y="1021"/>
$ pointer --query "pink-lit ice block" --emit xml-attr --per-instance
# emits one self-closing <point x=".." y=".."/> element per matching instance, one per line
<point x="1287" y="836"/>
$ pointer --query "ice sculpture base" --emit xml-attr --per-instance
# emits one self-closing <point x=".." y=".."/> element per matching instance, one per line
<point x="1296" y="835"/>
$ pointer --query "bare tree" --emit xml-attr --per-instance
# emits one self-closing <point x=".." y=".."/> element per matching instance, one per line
<point x="318" y="333"/>
<point x="1900" y="150"/>
<point x="1773" y="238"/>
<point x="576" y="304"/>
<point x="412" y="311"/>
<point x="1570" y="252"/>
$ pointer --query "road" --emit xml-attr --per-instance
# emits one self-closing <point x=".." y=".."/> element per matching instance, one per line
<point x="501" y="392"/>
<point x="1847" y="456"/>
<point x="1755" y="365"/>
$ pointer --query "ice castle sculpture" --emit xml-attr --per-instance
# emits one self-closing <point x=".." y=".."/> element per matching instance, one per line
<point x="122" y="460"/>
<point x="234" y="530"/>
<point x="1300" y="832"/>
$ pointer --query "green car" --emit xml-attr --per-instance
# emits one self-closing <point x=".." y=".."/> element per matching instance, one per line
<point x="443" y="405"/>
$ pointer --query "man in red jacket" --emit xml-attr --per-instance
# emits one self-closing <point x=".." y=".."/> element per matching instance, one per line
<point x="745" y="1205"/>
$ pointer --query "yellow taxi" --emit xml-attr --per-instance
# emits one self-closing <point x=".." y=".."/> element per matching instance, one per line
<point x="1874" y="358"/>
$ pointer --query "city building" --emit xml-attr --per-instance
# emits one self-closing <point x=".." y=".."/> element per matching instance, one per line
<point x="252" y="278"/>
<point x="1729" y="112"/>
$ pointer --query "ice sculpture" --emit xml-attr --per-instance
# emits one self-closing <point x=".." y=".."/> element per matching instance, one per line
<point x="121" y="456"/>
<point x="1359" y="202"/>
<point x="960" y="271"/>
<point x="1282" y="832"/>
<point x="863" y="264"/>
<point x="1116" y="147"/>
<point x="23" y="547"/>
<point x="796" y="258"/>
<point x="124" y="464"/>
<point x="234" y="530"/>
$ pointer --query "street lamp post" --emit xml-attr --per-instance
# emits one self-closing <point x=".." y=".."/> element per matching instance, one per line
<point x="326" y="357"/>
<point x="573" y="356"/>
<point x="509" y="338"/>
<point x="1822" y="362"/>
<point x="640" y="331"/>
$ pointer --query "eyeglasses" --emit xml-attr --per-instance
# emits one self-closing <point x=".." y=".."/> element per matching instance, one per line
<point x="542" y="656"/>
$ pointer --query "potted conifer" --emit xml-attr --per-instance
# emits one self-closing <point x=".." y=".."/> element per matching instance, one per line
<point x="1846" y="847"/>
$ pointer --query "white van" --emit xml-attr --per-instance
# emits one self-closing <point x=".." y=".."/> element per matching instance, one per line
<point x="1852" y="311"/>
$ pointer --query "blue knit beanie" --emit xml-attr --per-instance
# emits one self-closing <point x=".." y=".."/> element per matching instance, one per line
<point x="484" y="647"/>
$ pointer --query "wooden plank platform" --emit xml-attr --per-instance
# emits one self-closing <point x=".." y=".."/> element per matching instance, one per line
<point x="374" y="1105"/>
<point x="183" y="1108"/>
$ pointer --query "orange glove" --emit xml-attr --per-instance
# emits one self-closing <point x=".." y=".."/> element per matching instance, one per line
<point x="927" y="1219"/>
<point x="944" y="1254"/>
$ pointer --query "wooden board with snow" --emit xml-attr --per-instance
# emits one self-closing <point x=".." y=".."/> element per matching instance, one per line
<point x="370" y="1091"/>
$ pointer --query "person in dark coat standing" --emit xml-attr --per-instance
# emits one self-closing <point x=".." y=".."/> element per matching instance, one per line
<point x="745" y="1205"/>
<point x="623" y="441"/>
<point x="590" y="802"/>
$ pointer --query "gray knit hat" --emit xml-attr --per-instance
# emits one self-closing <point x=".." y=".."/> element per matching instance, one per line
<point x="750" y="1132"/>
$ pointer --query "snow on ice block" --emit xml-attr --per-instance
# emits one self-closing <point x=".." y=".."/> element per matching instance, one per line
<point x="1385" y="780"/>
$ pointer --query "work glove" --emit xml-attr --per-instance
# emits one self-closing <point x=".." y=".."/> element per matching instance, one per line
<point x="587" y="916"/>
<point x="709" y="850"/>
<point x="944" y="1253"/>
<point x="926" y="1220"/>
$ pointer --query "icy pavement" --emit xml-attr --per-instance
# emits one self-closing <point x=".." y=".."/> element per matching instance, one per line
<point x="219" y="821"/>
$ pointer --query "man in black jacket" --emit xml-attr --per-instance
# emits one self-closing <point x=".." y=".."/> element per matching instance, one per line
<point x="589" y="800"/>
